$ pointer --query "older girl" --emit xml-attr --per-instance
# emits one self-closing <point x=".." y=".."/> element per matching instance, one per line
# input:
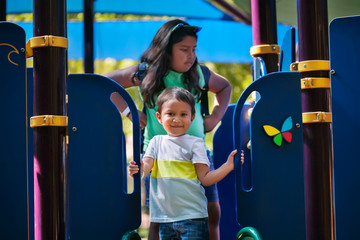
<point x="171" y="61"/>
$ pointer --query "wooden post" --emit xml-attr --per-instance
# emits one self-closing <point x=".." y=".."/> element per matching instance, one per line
<point x="89" y="36"/>
<point x="318" y="164"/>
<point x="264" y="27"/>
<point x="2" y="10"/>
<point x="49" y="141"/>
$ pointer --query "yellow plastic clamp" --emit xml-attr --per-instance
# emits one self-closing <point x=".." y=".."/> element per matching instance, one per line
<point x="317" y="117"/>
<point x="315" y="82"/>
<point x="48" y="121"/>
<point x="45" y="41"/>
<point x="311" y="65"/>
<point x="264" y="49"/>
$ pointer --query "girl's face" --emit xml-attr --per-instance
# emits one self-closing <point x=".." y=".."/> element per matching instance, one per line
<point x="183" y="54"/>
<point x="176" y="117"/>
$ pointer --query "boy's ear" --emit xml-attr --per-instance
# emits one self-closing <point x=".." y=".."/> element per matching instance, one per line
<point x="192" y="117"/>
<point x="158" y="116"/>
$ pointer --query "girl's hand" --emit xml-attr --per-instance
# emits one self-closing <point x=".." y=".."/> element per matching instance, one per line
<point x="133" y="168"/>
<point x="209" y="123"/>
<point x="143" y="119"/>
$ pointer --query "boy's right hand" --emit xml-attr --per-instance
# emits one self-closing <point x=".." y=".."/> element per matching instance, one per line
<point x="133" y="168"/>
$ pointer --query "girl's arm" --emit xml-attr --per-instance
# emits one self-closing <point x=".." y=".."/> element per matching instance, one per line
<point x="208" y="177"/>
<point x="222" y="89"/>
<point x="124" y="77"/>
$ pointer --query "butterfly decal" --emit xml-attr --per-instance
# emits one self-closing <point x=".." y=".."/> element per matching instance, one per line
<point x="279" y="135"/>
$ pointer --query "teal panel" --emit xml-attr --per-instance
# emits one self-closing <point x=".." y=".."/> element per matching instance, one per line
<point x="99" y="206"/>
<point x="274" y="202"/>
<point x="13" y="143"/>
<point x="345" y="86"/>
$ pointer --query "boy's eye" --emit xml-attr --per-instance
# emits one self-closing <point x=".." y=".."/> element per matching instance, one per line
<point x="184" y="114"/>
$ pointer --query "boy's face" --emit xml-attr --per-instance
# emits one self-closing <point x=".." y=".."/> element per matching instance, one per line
<point x="175" y="117"/>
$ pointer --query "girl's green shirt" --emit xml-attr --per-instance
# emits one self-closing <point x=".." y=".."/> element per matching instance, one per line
<point x="153" y="127"/>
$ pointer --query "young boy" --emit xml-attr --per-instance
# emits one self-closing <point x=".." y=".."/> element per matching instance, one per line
<point x="179" y="165"/>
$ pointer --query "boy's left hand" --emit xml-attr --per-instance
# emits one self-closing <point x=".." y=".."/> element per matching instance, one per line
<point x="242" y="157"/>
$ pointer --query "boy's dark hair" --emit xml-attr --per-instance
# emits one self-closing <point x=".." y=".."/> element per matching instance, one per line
<point x="179" y="94"/>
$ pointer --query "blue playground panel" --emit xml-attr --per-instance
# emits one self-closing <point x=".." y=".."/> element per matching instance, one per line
<point x="107" y="184"/>
<point x="99" y="205"/>
<point x="274" y="202"/>
<point x="288" y="50"/>
<point x="14" y="122"/>
<point x="345" y="87"/>
<point x="222" y="146"/>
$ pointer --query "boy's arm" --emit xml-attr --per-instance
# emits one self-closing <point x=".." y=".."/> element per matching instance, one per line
<point x="146" y="166"/>
<point x="208" y="177"/>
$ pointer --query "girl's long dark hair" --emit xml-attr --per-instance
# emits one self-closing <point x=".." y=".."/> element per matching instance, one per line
<point x="157" y="57"/>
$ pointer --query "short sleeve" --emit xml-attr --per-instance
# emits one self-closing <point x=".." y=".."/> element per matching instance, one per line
<point x="199" y="153"/>
<point x="151" y="150"/>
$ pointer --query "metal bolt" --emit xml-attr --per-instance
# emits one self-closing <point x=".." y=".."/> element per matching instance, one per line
<point x="332" y="72"/>
<point x="297" y="125"/>
<point x="274" y="48"/>
<point x="22" y="49"/>
<point x="304" y="65"/>
<point x="74" y="129"/>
